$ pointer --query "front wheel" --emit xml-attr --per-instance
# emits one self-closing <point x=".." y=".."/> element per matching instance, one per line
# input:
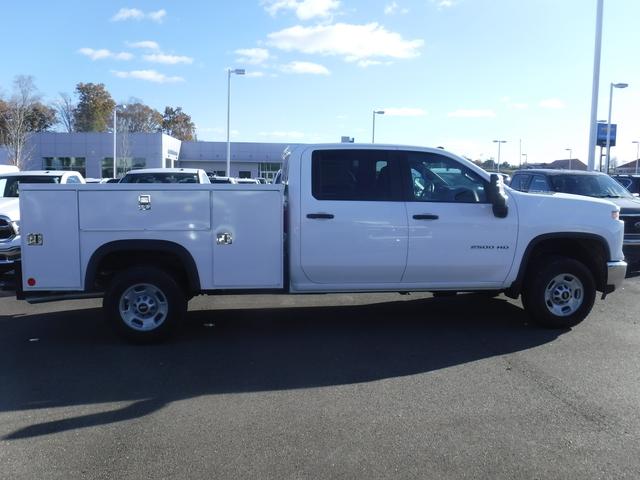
<point x="144" y="304"/>
<point x="559" y="293"/>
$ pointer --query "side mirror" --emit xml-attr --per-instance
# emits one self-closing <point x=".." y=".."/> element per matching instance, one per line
<point x="497" y="197"/>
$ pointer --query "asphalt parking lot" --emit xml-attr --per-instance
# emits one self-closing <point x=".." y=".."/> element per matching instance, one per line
<point x="335" y="386"/>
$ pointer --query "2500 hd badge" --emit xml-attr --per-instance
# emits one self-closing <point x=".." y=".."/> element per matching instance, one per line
<point x="489" y="247"/>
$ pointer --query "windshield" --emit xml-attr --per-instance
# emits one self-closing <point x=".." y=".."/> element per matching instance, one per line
<point x="9" y="184"/>
<point x="600" y="186"/>
<point x="168" y="177"/>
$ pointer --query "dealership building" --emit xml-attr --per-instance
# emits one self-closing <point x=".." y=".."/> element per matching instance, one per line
<point x="92" y="154"/>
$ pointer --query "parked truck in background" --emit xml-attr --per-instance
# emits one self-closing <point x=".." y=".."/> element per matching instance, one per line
<point x="344" y="218"/>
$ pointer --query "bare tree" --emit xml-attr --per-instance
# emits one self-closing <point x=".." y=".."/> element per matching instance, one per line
<point x="15" y="118"/>
<point x="65" y="108"/>
<point x="124" y="126"/>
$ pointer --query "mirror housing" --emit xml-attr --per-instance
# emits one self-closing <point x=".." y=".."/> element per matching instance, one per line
<point x="497" y="196"/>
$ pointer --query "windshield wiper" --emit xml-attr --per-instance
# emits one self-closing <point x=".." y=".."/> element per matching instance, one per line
<point x="609" y="196"/>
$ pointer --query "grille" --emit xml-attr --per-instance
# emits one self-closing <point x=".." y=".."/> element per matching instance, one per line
<point x="631" y="224"/>
<point x="6" y="230"/>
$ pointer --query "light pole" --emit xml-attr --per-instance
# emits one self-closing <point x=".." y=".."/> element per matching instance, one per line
<point x="499" y="142"/>
<point x="637" y="153"/>
<point x="373" y="130"/>
<point x="611" y="87"/>
<point x="237" y="71"/>
<point x="115" y="110"/>
<point x="570" y="155"/>
<point x="593" y="127"/>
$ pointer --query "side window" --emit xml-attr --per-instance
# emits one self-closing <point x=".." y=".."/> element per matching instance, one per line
<point x="539" y="184"/>
<point x="73" y="179"/>
<point x="520" y="182"/>
<point x="357" y="175"/>
<point x="436" y="178"/>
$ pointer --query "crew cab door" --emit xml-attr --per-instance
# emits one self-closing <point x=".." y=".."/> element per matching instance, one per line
<point x="353" y="218"/>
<point x="455" y="240"/>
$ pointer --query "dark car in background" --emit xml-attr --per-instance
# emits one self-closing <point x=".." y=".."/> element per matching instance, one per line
<point x="630" y="182"/>
<point x="590" y="184"/>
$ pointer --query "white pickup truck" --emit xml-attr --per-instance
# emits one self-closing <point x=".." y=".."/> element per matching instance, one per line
<point x="346" y="218"/>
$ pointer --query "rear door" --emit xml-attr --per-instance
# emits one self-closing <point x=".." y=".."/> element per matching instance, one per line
<point x="455" y="240"/>
<point x="353" y="219"/>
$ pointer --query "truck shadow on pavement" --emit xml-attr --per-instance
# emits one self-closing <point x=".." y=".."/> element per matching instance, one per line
<point x="70" y="359"/>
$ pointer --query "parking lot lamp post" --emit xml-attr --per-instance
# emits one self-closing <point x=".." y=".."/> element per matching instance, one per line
<point x="570" y="155"/>
<point x="611" y="87"/>
<point x="373" y="130"/>
<point x="115" y="113"/>
<point x="237" y="71"/>
<point x="637" y="153"/>
<point x="499" y="142"/>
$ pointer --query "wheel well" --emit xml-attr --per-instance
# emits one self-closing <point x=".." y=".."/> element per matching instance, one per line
<point x="111" y="259"/>
<point x="591" y="252"/>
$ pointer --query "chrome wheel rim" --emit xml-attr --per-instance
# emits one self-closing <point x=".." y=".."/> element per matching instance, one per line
<point x="564" y="295"/>
<point x="143" y="307"/>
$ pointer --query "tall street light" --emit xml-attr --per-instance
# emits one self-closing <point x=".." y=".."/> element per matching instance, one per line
<point x="499" y="142"/>
<point x="373" y="130"/>
<point x="115" y="112"/>
<point x="637" y="153"/>
<point x="237" y="71"/>
<point x="570" y="156"/>
<point x="611" y="87"/>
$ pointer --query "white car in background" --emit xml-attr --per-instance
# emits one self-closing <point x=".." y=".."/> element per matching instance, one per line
<point x="10" y="209"/>
<point x="166" y="175"/>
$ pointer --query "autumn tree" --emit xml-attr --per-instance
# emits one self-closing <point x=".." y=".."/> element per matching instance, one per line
<point x="95" y="108"/>
<point x="137" y="117"/>
<point x="178" y="124"/>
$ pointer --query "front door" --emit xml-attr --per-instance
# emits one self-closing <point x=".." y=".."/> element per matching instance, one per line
<point x="353" y="219"/>
<point x="455" y="241"/>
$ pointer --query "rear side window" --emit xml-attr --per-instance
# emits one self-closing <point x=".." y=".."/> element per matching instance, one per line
<point x="356" y="175"/>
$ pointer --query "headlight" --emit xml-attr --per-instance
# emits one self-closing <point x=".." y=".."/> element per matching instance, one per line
<point x="16" y="227"/>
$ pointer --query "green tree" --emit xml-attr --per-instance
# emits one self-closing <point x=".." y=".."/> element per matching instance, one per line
<point x="95" y="108"/>
<point x="178" y="124"/>
<point x="41" y="117"/>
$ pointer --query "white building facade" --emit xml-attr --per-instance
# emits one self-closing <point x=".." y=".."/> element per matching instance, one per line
<point x="92" y="154"/>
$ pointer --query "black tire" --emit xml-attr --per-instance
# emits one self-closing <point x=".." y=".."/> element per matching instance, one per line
<point x="144" y="304"/>
<point x="559" y="292"/>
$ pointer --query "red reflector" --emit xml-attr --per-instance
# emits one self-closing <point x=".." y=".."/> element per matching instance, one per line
<point x="31" y="282"/>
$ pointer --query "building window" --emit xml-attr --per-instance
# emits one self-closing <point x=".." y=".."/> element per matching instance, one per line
<point x="78" y="164"/>
<point x="219" y="173"/>
<point x="124" y="165"/>
<point x="244" y="174"/>
<point x="268" y="170"/>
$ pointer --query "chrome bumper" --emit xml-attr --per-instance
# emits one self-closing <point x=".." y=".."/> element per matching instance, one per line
<point x="616" y="271"/>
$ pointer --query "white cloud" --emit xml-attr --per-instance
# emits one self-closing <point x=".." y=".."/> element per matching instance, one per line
<point x="552" y="103"/>
<point x="304" y="9"/>
<point x="283" y="134"/>
<point x="305" y="67"/>
<point x="103" y="53"/>
<point x="136" y="14"/>
<point x="404" y="112"/>
<point x="167" y="59"/>
<point x="468" y="113"/>
<point x="353" y="42"/>
<point x="253" y="56"/>
<point x="444" y="3"/>
<point x="146" y="44"/>
<point x="148" y="75"/>
<point x="393" y="8"/>
<point x="255" y="74"/>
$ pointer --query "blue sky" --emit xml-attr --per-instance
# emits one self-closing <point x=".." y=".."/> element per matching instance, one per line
<point x="452" y="73"/>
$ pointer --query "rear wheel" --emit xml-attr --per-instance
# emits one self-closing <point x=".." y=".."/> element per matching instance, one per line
<point x="144" y="304"/>
<point x="559" y="293"/>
